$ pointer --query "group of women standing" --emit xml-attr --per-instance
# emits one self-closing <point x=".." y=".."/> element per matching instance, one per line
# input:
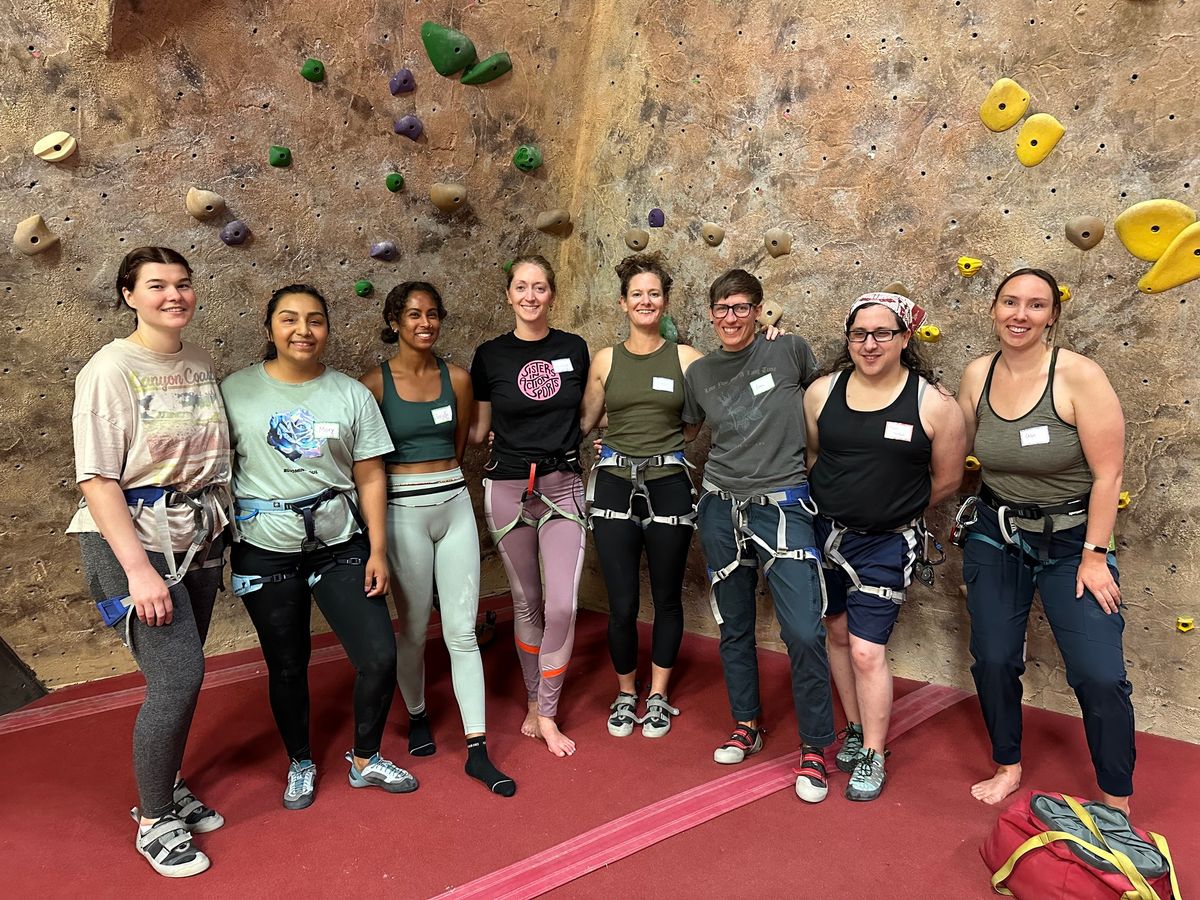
<point x="333" y="489"/>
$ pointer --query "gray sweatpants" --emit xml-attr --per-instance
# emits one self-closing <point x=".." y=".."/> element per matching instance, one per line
<point x="171" y="658"/>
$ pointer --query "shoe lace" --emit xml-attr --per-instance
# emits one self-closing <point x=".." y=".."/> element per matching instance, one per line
<point x="851" y="735"/>
<point x="864" y="768"/>
<point x="387" y="769"/>
<point x="300" y="779"/>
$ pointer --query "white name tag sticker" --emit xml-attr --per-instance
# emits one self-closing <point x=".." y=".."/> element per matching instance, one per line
<point x="562" y="365"/>
<point x="663" y="384"/>
<point x="762" y="385"/>
<point x="897" y="431"/>
<point x="325" y="430"/>
<point x="443" y="414"/>
<point x="1039" y="434"/>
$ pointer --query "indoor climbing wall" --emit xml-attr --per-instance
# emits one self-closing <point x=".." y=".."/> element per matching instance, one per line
<point x="830" y="148"/>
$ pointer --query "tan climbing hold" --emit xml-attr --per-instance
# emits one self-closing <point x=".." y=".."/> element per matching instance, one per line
<point x="553" y="221"/>
<point x="1178" y="265"/>
<point x="33" y="236"/>
<point x="637" y="238"/>
<point x="1148" y="228"/>
<point x="778" y="242"/>
<point x="55" y="147"/>
<point x="898" y="287"/>
<point x="202" y="204"/>
<point x="1004" y="105"/>
<point x="1037" y="138"/>
<point x="962" y="589"/>
<point x="447" y="197"/>
<point x="1085" y="232"/>
<point x="712" y="233"/>
<point x="969" y="266"/>
<point x="771" y="313"/>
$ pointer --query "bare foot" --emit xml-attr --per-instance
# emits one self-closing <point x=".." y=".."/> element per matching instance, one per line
<point x="1006" y="780"/>
<point x="556" y="742"/>
<point x="1121" y="803"/>
<point x="529" y="727"/>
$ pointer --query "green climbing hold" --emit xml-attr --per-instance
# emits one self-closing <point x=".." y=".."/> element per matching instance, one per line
<point x="313" y="70"/>
<point x="394" y="181"/>
<point x="488" y="70"/>
<point x="363" y="288"/>
<point x="279" y="157"/>
<point x="527" y="158"/>
<point x="449" y="50"/>
<point x="507" y="267"/>
<point x="667" y="328"/>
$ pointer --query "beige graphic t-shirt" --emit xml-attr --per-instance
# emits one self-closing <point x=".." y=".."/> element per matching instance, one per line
<point x="152" y="419"/>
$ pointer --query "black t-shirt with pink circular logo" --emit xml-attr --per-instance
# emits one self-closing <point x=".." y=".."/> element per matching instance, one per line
<point x="535" y="388"/>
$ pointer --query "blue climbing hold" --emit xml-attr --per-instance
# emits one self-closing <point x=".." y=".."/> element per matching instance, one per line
<point x="402" y="82"/>
<point x="657" y="218"/>
<point x="409" y="126"/>
<point x="385" y="250"/>
<point x="235" y="233"/>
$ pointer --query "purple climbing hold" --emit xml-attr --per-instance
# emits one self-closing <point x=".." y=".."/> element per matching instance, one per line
<point x="235" y="233"/>
<point x="402" y="82"/>
<point x="385" y="250"/>
<point x="410" y="126"/>
<point x="657" y="218"/>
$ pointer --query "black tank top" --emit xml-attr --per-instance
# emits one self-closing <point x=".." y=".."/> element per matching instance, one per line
<point x="873" y="470"/>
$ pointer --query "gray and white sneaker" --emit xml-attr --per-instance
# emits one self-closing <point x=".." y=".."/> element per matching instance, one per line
<point x="301" y="784"/>
<point x="195" y="816"/>
<point x="866" y="781"/>
<point x="852" y="745"/>
<point x="167" y="846"/>
<point x="381" y="773"/>
<point x="657" y="720"/>
<point x="624" y="715"/>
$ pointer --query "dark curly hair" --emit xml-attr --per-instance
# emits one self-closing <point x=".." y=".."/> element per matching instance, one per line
<point x="393" y="306"/>
<point x="911" y="357"/>
<point x="270" y="351"/>
<point x="641" y="264"/>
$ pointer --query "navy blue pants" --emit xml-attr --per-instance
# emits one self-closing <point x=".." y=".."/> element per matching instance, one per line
<point x="796" y="588"/>
<point x="880" y="559"/>
<point x="1000" y="586"/>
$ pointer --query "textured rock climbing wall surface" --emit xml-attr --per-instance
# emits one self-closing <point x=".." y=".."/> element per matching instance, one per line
<point x="852" y="127"/>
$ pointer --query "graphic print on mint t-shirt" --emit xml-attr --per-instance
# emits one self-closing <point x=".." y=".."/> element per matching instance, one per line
<point x="295" y="434"/>
<point x="538" y="380"/>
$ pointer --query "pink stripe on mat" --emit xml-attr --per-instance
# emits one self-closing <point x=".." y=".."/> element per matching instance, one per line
<point x="574" y="858"/>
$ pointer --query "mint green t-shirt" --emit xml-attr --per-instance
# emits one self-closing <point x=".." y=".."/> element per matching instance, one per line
<point x="292" y="441"/>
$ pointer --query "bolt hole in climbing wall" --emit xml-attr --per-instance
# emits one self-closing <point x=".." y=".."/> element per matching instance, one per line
<point x="830" y="148"/>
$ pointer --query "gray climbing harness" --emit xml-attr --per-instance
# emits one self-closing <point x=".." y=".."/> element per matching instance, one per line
<point x="915" y="535"/>
<point x="744" y="535"/>
<point x="1005" y="511"/>
<point x="638" y="466"/>
<point x="553" y="510"/>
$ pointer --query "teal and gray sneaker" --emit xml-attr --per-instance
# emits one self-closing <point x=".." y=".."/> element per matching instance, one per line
<point x="852" y="745"/>
<point x="381" y="773"/>
<point x="301" y="784"/>
<point x="866" y="781"/>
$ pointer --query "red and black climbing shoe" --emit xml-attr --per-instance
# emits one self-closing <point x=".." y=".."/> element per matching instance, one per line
<point x="745" y="741"/>
<point x="812" y="781"/>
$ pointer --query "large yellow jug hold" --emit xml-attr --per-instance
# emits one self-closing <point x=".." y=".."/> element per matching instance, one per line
<point x="1004" y="105"/>
<point x="1037" y="138"/>
<point x="1178" y="265"/>
<point x="1147" y="228"/>
<point x="968" y="266"/>
<point x="971" y="464"/>
<point x="930" y="333"/>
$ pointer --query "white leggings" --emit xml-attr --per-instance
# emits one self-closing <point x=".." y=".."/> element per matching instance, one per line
<point x="432" y="537"/>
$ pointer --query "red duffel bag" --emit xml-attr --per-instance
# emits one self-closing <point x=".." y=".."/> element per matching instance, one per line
<point x="1054" y="847"/>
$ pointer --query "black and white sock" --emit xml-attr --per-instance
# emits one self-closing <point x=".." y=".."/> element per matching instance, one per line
<point x="420" y="736"/>
<point x="480" y="767"/>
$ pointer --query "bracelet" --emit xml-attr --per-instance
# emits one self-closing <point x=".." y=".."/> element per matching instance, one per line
<point x="1094" y="548"/>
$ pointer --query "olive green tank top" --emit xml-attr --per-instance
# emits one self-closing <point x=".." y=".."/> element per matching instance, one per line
<point x="1035" y="459"/>
<point x="643" y="395"/>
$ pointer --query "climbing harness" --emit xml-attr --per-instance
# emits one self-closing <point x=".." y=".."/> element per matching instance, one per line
<point x="638" y="466"/>
<point x="1004" y="511"/>
<point x="744" y="535"/>
<point x="457" y="486"/>
<point x="561" y="462"/>
<point x="915" y="535"/>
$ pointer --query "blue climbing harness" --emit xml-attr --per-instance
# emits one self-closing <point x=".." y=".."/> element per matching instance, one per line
<point x="638" y="466"/>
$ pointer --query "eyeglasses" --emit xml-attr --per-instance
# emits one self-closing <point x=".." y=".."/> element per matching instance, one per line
<point x="881" y="335"/>
<point x="740" y="310"/>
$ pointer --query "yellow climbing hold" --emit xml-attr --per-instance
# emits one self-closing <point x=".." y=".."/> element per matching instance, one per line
<point x="969" y="266"/>
<point x="1147" y="228"/>
<point x="930" y="333"/>
<point x="1064" y="293"/>
<point x="1004" y="105"/>
<point x="1123" y="500"/>
<point x="1179" y="265"/>
<point x="1185" y="624"/>
<point x="1037" y="138"/>
<point x="972" y="464"/>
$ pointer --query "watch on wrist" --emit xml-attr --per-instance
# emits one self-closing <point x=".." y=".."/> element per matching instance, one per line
<point x="1094" y="548"/>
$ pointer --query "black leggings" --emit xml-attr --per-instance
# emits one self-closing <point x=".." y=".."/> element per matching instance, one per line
<point x="619" y="543"/>
<point x="281" y="612"/>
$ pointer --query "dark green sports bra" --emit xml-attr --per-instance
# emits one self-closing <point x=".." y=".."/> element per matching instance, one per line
<point x="421" y="431"/>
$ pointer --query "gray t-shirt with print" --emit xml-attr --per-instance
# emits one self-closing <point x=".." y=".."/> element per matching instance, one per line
<point x="292" y="441"/>
<point x="753" y="400"/>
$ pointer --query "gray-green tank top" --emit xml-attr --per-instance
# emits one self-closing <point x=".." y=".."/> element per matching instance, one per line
<point x="643" y="396"/>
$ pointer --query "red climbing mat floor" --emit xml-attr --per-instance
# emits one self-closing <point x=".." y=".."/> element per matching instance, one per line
<point x="639" y="817"/>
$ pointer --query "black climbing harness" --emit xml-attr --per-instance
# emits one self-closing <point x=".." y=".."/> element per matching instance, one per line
<point x="560" y="462"/>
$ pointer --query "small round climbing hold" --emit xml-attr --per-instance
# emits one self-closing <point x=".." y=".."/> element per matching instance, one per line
<point x="657" y="218"/>
<point x="1064" y="292"/>
<point x="969" y="266"/>
<point x="554" y="221"/>
<point x="668" y="329"/>
<point x="898" y="287"/>
<point x="527" y="157"/>
<point x="712" y="233"/>
<point x="507" y="267"/>
<point x="409" y="126"/>
<point x="33" y="236"/>
<point x="313" y="70"/>
<point x="235" y="233"/>
<point x="1085" y="232"/>
<point x="637" y="239"/>
<point x="771" y="313"/>
<point x="363" y="288"/>
<point x="279" y="157"/>
<point x="447" y="196"/>
<point x="488" y="69"/>
<point x="1184" y="624"/>
<point x="449" y="50"/>
<point x="203" y="204"/>
<point x="394" y="181"/>
<point x="778" y="242"/>
<point x="972" y="464"/>
<point x="55" y="147"/>
<point x="402" y="82"/>
<point x="930" y="333"/>
<point x="385" y="250"/>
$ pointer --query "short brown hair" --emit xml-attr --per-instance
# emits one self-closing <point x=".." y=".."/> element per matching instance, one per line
<point x="735" y="281"/>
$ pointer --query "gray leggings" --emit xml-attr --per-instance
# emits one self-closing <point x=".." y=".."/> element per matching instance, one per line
<point x="170" y="656"/>
<point x="432" y="537"/>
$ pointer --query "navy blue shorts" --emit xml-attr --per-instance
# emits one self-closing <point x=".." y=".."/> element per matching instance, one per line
<point x="882" y="559"/>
